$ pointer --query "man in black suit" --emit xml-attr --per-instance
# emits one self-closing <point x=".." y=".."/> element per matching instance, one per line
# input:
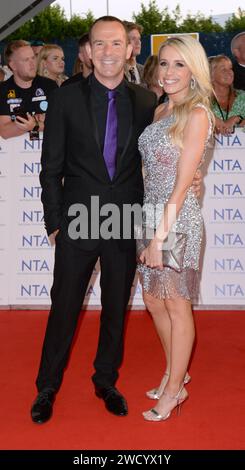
<point x="76" y="167"/>
<point x="238" y="51"/>
<point x="133" y="70"/>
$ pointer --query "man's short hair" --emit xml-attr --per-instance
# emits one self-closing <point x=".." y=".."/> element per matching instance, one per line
<point x="83" y="40"/>
<point x="12" y="47"/>
<point x="234" y="40"/>
<point x="109" y="19"/>
<point x="130" y="26"/>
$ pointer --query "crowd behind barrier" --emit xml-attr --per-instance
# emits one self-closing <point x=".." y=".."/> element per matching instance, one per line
<point x="26" y="257"/>
<point x="213" y="43"/>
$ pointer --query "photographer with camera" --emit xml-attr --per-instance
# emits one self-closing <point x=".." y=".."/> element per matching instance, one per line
<point x="24" y="96"/>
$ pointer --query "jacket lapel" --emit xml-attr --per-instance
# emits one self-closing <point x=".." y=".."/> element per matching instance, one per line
<point x="131" y="128"/>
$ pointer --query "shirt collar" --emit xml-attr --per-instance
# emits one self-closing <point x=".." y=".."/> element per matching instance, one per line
<point x="98" y="87"/>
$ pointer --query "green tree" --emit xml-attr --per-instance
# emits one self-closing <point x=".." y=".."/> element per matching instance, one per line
<point x="177" y="15"/>
<point x="52" y="24"/>
<point x="155" y="21"/>
<point x="236" y="22"/>
<point x="77" y="25"/>
<point x="150" y="18"/>
<point x="48" y="24"/>
<point x="199" y="23"/>
<point x="24" y="32"/>
<point x="168" y="24"/>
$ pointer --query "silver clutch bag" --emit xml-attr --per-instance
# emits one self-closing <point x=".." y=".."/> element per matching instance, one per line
<point x="173" y="256"/>
<point x="173" y="250"/>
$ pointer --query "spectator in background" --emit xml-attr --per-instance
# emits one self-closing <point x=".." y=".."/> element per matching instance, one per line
<point x="7" y="72"/>
<point x="151" y="77"/>
<point x="238" y="51"/>
<point x="228" y="103"/>
<point x="87" y="66"/>
<point x="2" y="74"/>
<point x="77" y="67"/>
<point x="83" y="64"/>
<point x="51" y="63"/>
<point x="37" y="46"/>
<point x="24" y="96"/>
<point x="134" y="70"/>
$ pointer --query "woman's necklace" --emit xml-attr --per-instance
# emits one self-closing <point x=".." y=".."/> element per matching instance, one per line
<point x="224" y="118"/>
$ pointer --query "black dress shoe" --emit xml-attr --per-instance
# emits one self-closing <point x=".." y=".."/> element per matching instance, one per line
<point x="114" y="401"/>
<point x="42" y="407"/>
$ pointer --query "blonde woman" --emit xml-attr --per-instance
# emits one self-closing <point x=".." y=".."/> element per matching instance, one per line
<point x="51" y="63"/>
<point x="228" y="104"/>
<point x="172" y="148"/>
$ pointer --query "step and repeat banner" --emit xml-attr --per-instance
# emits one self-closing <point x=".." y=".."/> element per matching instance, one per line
<point x="4" y="221"/>
<point x="26" y="257"/>
<point x="223" y="276"/>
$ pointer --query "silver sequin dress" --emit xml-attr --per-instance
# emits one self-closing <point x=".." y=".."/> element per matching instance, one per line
<point x="160" y="158"/>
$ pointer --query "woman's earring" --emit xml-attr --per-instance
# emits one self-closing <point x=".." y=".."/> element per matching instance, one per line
<point x="193" y="83"/>
<point x="160" y="83"/>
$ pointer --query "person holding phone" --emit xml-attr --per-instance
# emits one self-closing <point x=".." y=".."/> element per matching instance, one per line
<point x="24" y="96"/>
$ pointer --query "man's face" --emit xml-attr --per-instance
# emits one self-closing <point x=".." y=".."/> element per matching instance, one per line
<point x="36" y="49"/>
<point x="135" y="40"/>
<point x="109" y="51"/>
<point x="23" y="63"/>
<point x="239" y="50"/>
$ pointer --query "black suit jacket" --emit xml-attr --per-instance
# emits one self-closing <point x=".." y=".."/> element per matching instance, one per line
<point x="73" y="167"/>
<point x="239" y="76"/>
<point x="74" y="78"/>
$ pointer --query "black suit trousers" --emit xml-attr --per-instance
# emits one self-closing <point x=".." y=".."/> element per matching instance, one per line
<point x="72" y="272"/>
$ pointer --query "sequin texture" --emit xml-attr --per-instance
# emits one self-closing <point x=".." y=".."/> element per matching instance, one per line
<point x="160" y="158"/>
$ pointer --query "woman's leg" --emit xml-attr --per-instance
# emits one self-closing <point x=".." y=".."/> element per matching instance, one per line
<point x="183" y="334"/>
<point x="182" y="338"/>
<point x="160" y="316"/>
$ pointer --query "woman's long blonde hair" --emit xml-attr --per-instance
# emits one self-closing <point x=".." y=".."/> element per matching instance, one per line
<point x="43" y="55"/>
<point x="196" y="60"/>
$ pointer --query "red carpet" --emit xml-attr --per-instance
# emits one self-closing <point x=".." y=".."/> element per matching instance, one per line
<point x="212" y="418"/>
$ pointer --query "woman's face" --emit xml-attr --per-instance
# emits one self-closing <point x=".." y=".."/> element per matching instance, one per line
<point x="222" y="73"/>
<point x="55" y="62"/>
<point x="174" y="73"/>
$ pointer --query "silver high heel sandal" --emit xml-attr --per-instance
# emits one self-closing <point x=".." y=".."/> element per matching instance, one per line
<point x="155" y="393"/>
<point x="180" y="397"/>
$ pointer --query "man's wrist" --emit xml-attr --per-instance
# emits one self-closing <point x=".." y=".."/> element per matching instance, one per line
<point x="240" y="119"/>
<point x="34" y="133"/>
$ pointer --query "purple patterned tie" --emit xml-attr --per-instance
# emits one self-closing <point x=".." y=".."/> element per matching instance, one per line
<point x="110" y="143"/>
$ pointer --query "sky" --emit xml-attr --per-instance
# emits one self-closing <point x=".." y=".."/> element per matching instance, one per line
<point x="125" y="8"/>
